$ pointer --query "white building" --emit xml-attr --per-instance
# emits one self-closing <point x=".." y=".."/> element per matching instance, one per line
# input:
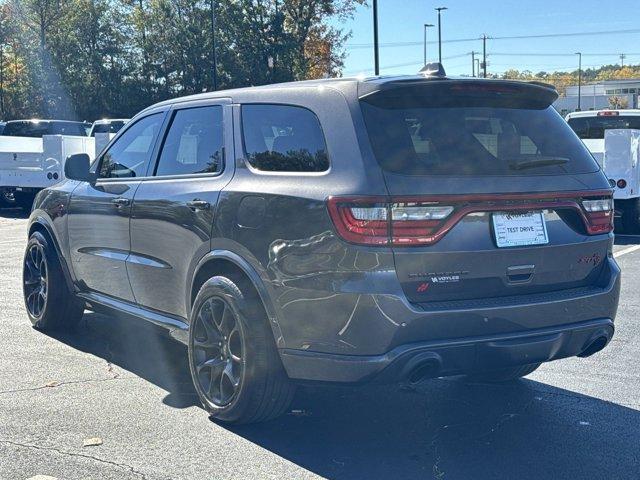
<point x="595" y="96"/>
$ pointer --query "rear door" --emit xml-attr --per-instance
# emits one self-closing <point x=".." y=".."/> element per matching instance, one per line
<point x="98" y="220"/>
<point x="174" y="209"/>
<point x="491" y="191"/>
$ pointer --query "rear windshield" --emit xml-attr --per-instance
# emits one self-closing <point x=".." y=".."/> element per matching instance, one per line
<point x="111" y="127"/>
<point x="593" y="127"/>
<point x="38" y="129"/>
<point x="473" y="140"/>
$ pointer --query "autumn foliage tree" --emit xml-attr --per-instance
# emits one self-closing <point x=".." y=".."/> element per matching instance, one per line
<point x="86" y="59"/>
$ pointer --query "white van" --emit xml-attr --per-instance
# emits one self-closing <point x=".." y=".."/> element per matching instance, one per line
<point x="613" y="137"/>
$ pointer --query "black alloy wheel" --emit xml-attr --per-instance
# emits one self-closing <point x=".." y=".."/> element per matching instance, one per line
<point x="218" y="351"/>
<point x="35" y="279"/>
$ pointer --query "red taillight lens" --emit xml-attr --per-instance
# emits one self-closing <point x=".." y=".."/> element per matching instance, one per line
<point x="409" y="221"/>
<point x="379" y="221"/>
<point x="622" y="183"/>
<point x="361" y="220"/>
<point x="599" y="215"/>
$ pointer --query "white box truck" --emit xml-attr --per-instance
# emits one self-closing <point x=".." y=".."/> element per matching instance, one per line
<point x="613" y="138"/>
<point x="27" y="165"/>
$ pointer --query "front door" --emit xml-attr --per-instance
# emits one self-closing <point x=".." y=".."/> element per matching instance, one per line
<point x="174" y="209"/>
<point x="99" y="212"/>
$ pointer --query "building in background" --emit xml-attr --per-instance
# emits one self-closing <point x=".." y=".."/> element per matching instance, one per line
<point x="599" y="95"/>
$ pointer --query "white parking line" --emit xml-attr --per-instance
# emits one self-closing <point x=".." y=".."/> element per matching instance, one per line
<point x="624" y="251"/>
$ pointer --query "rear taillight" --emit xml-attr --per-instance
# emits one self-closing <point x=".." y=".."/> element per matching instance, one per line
<point x="599" y="215"/>
<point x="380" y="221"/>
<point x="361" y="220"/>
<point x="408" y="221"/>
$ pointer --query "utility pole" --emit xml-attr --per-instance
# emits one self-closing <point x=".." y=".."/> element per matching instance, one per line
<point x="439" y="10"/>
<point x="214" y="61"/>
<point x="579" y="77"/>
<point x="473" y="63"/>
<point x="484" y="55"/>
<point x="426" y="25"/>
<point x="622" y="57"/>
<point x="477" y="67"/>
<point x="376" y="60"/>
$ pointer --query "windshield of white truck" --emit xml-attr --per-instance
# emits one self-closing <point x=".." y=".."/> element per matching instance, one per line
<point x="593" y="128"/>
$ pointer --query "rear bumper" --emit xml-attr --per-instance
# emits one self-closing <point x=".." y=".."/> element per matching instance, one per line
<point x="452" y="357"/>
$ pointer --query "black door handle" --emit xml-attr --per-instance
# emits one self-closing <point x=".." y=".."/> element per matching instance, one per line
<point x="198" y="204"/>
<point x="120" y="201"/>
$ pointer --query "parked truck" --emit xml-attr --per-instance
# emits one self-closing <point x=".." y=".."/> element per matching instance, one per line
<point x="27" y="165"/>
<point x="613" y="138"/>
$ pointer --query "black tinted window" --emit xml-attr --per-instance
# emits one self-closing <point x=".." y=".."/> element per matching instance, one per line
<point x="594" y="127"/>
<point x="474" y="141"/>
<point x="194" y="142"/>
<point x="111" y="127"/>
<point x="129" y="155"/>
<point x="283" y="139"/>
<point x="38" y="129"/>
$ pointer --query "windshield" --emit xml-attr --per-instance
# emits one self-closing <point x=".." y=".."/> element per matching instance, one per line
<point x="38" y="129"/>
<point x="474" y="141"/>
<point x="593" y="128"/>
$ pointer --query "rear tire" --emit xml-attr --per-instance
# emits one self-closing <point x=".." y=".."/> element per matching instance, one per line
<point x="504" y="374"/>
<point x="49" y="303"/>
<point x="631" y="216"/>
<point x="233" y="359"/>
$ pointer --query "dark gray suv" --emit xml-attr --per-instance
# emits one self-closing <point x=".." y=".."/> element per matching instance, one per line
<point x="346" y="230"/>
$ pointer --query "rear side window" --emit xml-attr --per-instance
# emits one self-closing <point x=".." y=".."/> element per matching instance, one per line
<point x="194" y="142"/>
<point x="111" y="127"/>
<point x="283" y="138"/>
<point x="129" y="155"/>
<point x="471" y="136"/>
<point x="593" y="128"/>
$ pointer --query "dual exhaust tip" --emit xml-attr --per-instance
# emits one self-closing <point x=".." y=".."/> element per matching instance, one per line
<point x="429" y="364"/>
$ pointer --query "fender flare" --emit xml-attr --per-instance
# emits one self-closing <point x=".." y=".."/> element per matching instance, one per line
<point x="46" y="225"/>
<point x="256" y="279"/>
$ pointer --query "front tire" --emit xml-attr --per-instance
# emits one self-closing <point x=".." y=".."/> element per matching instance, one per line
<point x="49" y="303"/>
<point x="503" y="375"/>
<point x="234" y="363"/>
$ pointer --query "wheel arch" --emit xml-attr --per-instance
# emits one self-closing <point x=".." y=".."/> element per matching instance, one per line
<point x="40" y="224"/>
<point x="230" y="264"/>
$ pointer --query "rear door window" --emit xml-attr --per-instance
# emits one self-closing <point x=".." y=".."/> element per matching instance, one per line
<point x="283" y="138"/>
<point x="194" y="142"/>
<point x="471" y="136"/>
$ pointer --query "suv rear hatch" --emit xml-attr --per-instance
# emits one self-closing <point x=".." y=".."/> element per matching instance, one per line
<point x="491" y="194"/>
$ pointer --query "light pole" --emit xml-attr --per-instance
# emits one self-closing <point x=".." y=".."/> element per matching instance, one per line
<point x="478" y="66"/>
<point x="473" y="63"/>
<point x="439" y="10"/>
<point x="579" y="77"/>
<point x="376" y="60"/>
<point x="426" y="25"/>
<point x="484" y="55"/>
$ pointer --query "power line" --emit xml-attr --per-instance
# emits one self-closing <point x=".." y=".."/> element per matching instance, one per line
<point x="512" y="37"/>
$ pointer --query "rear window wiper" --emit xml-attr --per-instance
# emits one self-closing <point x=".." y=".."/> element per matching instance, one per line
<point x="538" y="161"/>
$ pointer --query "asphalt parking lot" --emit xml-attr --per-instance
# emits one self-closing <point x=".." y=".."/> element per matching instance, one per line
<point x="127" y="385"/>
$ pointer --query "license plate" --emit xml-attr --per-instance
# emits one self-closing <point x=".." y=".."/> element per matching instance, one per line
<point x="519" y="229"/>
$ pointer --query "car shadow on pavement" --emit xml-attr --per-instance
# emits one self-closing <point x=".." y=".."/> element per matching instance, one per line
<point x="137" y="347"/>
<point x="442" y="429"/>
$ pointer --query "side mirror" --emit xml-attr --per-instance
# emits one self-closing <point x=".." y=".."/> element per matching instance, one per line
<point x="77" y="167"/>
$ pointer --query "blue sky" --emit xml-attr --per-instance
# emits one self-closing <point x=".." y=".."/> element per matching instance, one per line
<point x="402" y="20"/>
